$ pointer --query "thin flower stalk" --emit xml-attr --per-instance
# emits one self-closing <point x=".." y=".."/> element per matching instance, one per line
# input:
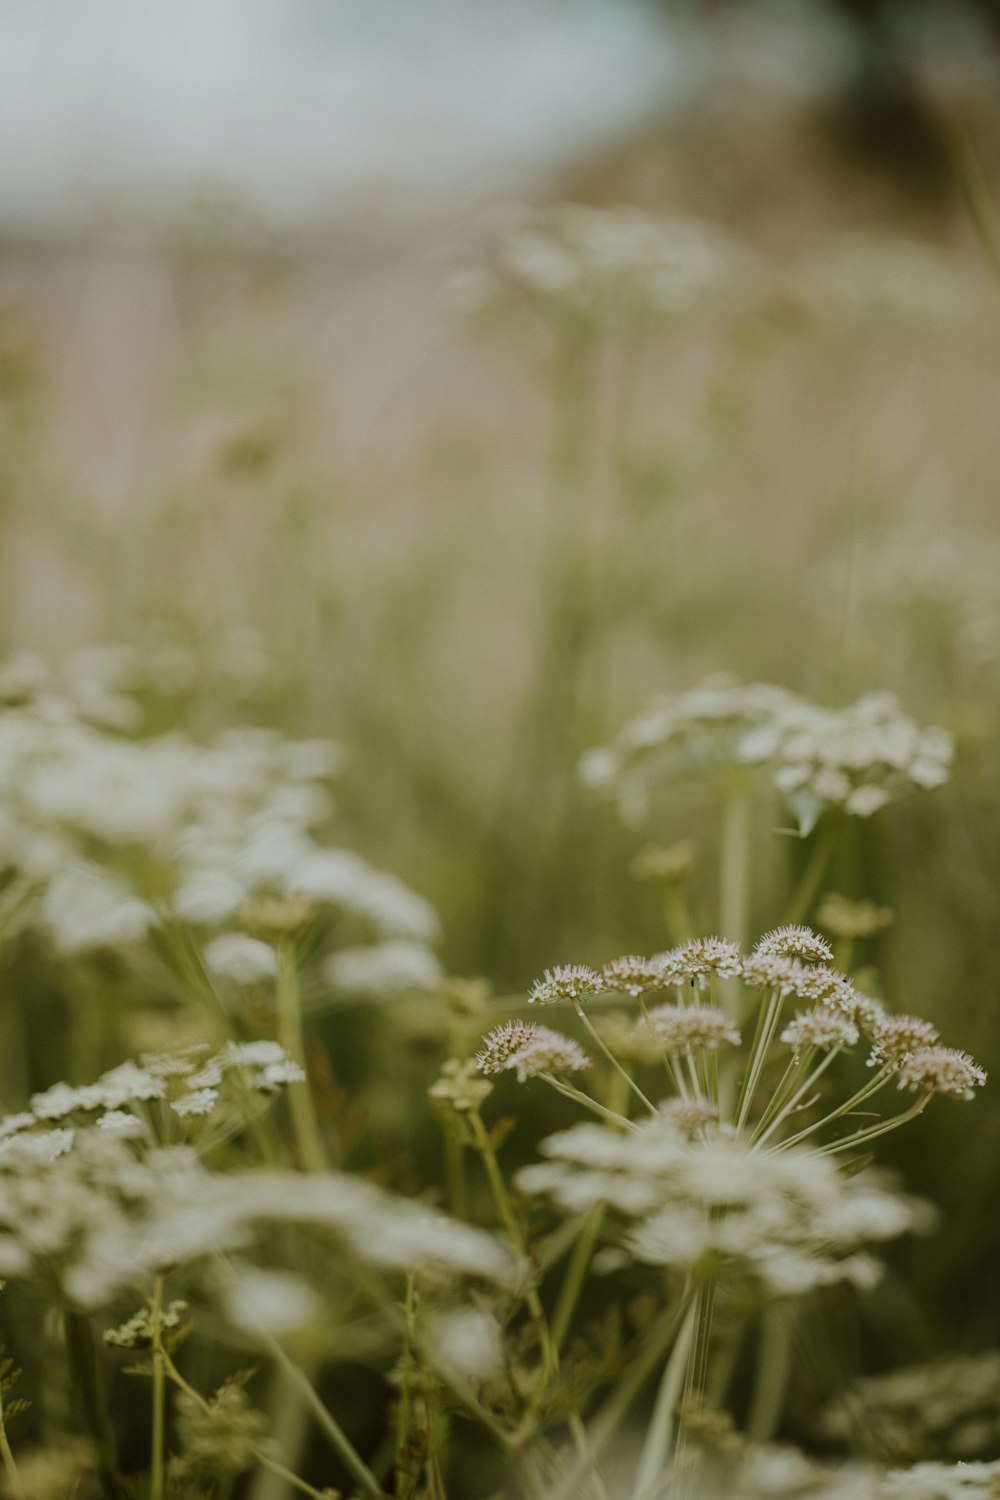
<point x="12" y="1476"/>
<point x="768" y="1021"/>
<point x="873" y="1086"/>
<point x="157" y="1476"/>
<point x="305" y="1120"/>
<point x="576" y="1273"/>
<point x="795" y="1102"/>
<point x="622" y="1072"/>
<point x="659" y="1435"/>
<point x="872" y="1132"/>
<point x="339" y="1441"/>
<point x="260" y="1454"/>
<point x="505" y="1209"/>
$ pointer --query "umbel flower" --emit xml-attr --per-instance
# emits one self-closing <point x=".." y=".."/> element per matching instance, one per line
<point x="856" y="759"/>
<point x="697" y="1043"/>
<point x="603" y="267"/>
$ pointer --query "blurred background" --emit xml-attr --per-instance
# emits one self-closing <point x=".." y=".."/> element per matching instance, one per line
<point x="270" y="393"/>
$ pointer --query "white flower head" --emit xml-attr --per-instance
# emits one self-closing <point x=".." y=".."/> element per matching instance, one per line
<point x="573" y="982"/>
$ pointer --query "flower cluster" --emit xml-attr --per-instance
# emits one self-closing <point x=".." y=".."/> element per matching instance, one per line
<point x="113" y="834"/>
<point x="781" y="1222"/>
<point x="856" y="759"/>
<point x="99" y="1218"/>
<point x="186" y="1083"/>
<point x="610" y="267"/>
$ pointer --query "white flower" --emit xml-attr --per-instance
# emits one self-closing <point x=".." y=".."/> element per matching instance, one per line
<point x="244" y="960"/>
<point x="466" y="1343"/>
<point x="268" y="1301"/>
<point x="383" y="969"/>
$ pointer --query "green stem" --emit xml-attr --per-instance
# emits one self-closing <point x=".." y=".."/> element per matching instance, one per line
<point x="14" y="1484"/>
<point x="86" y="1378"/>
<point x="339" y="1440"/>
<point x="403" y="1410"/>
<point x="157" y="1477"/>
<point x="758" y="1057"/>
<point x="288" y="1475"/>
<point x="576" y="1273"/>
<point x="807" y="889"/>
<point x="860" y="1137"/>
<point x="796" y="1098"/>
<point x="602" y="1429"/>
<point x="879" y="1081"/>
<point x="579" y="1097"/>
<point x="613" y="1060"/>
<point x="771" y="1378"/>
<point x="659" y="1436"/>
<point x="734" y="864"/>
<point x="505" y="1209"/>
<point x="305" y="1121"/>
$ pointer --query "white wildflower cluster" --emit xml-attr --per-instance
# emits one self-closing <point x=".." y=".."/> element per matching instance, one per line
<point x="791" y="961"/>
<point x="186" y="1083"/>
<point x="466" y="1343"/>
<point x="888" y="279"/>
<point x="115" y="833"/>
<point x="573" y="982"/>
<point x="950" y="1407"/>
<point x="99" y="1220"/>
<point x="606" y="266"/>
<point x="779" y="1473"/>
<point x="856" y="759"/>
<point x="529" y="1051"/>
<point x="780" y="1223"/>
<point x="683" y="1029"/>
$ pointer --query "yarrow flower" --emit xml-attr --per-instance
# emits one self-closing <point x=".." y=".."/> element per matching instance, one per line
<point x="689" y="1116"/>
<point x="634" y="976"/>
<point x="574" y="982"/>
<point x="857" y="759"/>
<point x="820" y="1027"/>
<point x="795" y="941"/>
<point x="529" y="1050"/>
<point x="700" y="959"/>
<point x="827" y="987"/>
<point x="941" y="1070"/>
<point x="500" y="1044"/>
<point x="896" y="1037"/>
<point x="687" y="1028"/>
<point x="771" y="971"/>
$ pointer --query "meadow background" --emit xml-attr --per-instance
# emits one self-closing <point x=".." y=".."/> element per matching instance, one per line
<point x="272" y="436"/>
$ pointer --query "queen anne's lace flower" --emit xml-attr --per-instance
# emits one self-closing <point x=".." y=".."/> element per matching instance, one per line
<point x="857" y="759"/>
<point x="796" y="942"/>
<point x="896" y="1037"/>
<point x="781" y="1222"/>
<point x="690" y="1028"/>
<point x="941" y="1070"/>
<point x="820" y="1027"/>
<point x="697" y="961"/>
<point x="574" y="982"/>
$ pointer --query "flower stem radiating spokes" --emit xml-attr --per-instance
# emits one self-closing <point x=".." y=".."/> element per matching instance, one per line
<point x="796" y="1098"/>
<point x="767" y="1024"/>
<point x="873" y="1086"/>
<point x="305" y="1121"/>
<point x="614" y="1061"/>
<point x="860" y="1137"/>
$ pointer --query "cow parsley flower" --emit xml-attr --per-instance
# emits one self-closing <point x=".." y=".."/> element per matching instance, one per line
<point x="941" y="1070"/>
<point x="795" y="941"/>
<point x="573" y="982"/>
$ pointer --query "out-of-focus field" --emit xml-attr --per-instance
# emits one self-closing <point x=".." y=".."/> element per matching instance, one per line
<point x="467" y="569"/>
